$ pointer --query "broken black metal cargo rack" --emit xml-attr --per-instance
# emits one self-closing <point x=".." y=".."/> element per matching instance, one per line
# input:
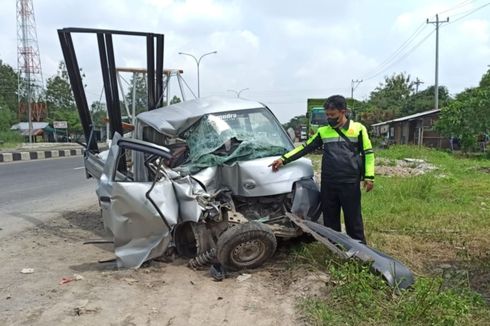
<point x="154" y="66"/>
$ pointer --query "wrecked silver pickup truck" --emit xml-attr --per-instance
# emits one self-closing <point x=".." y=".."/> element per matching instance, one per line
<point x="195" y="177"/>
<point x="200" y="181"/>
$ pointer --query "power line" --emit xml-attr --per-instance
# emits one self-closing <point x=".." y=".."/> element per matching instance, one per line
<point x="467" y="13"/>
<point x="392" y="59"/>
<point x="393" y="56"/>
<point x="459" y="5"/>
<point x="401" y="58"/>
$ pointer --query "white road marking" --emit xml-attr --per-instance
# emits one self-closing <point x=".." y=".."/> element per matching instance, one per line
<point x="79" y="168"/>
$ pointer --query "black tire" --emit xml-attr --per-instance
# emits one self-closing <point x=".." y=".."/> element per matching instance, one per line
<point x="246" y="245"/>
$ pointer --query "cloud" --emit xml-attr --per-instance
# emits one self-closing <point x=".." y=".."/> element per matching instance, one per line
<point x="283" y="51"/>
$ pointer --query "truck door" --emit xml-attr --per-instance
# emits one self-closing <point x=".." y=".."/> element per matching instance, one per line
<point x="138" y="213"/>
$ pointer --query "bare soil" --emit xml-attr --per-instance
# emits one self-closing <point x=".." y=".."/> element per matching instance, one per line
<point x="158" y="294"/>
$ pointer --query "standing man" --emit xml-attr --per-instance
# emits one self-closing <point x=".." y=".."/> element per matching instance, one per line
<point x="348" y="158"/>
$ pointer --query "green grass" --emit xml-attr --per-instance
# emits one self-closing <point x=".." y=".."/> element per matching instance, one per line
<point x="10" y="139"/>
<point x="358" y="297"/>
<point x="429" y="222"/>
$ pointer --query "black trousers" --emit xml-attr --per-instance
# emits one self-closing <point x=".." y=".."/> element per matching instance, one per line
<point x="347" y="196"/>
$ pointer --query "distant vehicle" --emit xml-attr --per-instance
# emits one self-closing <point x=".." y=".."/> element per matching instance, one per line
<point x="303" y="133"/>
<point x="315" y="114"/>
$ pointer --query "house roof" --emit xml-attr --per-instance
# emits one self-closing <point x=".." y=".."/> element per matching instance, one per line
<point x="407" y="117"/>
<point x="22" y="126"/>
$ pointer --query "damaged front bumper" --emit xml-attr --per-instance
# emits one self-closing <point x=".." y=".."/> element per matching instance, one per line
<point x="394" y="272"/>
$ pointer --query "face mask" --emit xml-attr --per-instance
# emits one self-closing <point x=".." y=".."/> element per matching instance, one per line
<point x="333" y="121"/>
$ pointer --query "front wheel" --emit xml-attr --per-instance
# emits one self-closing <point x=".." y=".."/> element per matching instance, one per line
<point x="246" y="245"/>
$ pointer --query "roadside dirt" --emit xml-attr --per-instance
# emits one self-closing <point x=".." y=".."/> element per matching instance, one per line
<point x="158" y="294"/>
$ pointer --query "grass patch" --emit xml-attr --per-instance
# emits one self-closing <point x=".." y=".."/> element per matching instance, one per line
<point x="428" y="222"/>
<point x="10" y="139"/>
<point x="358" y="297"/>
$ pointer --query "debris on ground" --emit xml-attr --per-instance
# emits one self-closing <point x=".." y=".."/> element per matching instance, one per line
<point x="65" y="279"/>
<point x="243" y="277"/>
<point x="217" y="272"/>
<point x="27" y="270"/>
<point x="68" y="279"/>
<point x="130" y="280"/>
<point x="78" y="277"/>
<point x="407" y="167"/>
<point x="83" y="308"/>
<point x="485" y="169"/>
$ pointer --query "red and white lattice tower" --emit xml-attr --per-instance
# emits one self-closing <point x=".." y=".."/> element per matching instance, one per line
<point x="31" y="83"/>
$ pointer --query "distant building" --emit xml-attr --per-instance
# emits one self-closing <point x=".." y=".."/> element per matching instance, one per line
<point x="415" y="129"/>
<point x="41" y="131"/>
<point x="23" y="128"/>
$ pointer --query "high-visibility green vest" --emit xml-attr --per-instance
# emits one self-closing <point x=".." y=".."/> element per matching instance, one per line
<point x="342" y="162"/>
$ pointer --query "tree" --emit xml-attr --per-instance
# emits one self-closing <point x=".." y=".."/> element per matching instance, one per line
<point x="59" y="96"/>
<point x="374" y="115"/>
<point x="6" y="116"/>
<point x="137" y="81"/>
<point x="8" y="94"/>
<point x="61" y="103"/>
<point x="98" y="112"/>
<point x="175" y="99"/>
<point x="356" y="107"/>
<point x="73" y="120"/>
<point x="393" y="94"/>
<point x="396" y="98"/>
<point x="466" y="117"/>
<point x="424" y="101"/>
<point x="296" y="122"/>
<point x="485" y="80"/>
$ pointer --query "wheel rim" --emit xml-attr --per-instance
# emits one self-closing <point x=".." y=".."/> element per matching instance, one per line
<point x="247" y="252"/>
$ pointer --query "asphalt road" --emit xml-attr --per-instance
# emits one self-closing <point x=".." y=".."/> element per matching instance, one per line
<point x="32" y="192"/>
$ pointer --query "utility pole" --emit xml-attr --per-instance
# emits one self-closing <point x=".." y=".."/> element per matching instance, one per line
<point x="417" y="82"/>
<point x="436" y="89"/>
<point x="353" y="86"/>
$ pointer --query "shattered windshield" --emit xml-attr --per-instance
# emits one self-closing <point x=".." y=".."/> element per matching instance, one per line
<point x="226" y="137"/>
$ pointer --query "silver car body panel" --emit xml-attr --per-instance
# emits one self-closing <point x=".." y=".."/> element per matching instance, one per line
<point x="254" y="178"/>
<point x="94" y="164"/>
<point x="187" y="192"/>
<point x="138" y="230"/>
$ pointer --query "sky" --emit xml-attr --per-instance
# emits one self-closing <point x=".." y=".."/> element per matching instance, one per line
<point x="281" y="52"/>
